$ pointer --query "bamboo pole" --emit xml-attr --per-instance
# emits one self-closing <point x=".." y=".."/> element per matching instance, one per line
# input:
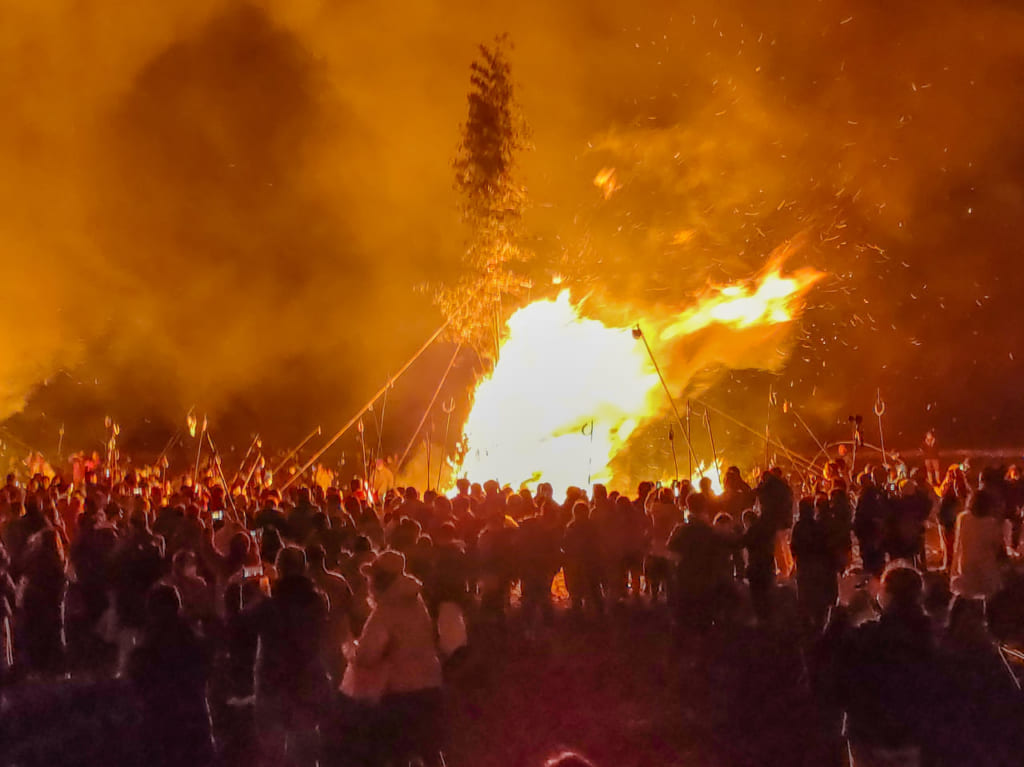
<point x="348" y="425"/>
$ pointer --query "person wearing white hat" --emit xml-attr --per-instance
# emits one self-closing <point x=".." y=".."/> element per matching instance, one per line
<point x="399" y="640"/>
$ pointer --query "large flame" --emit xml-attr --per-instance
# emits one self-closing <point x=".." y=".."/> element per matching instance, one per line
<point x="769" y="299"/>
<point x="568" y="391"/>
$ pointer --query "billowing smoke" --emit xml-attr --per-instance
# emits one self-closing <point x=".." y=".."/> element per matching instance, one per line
<point x="231" y="204"/>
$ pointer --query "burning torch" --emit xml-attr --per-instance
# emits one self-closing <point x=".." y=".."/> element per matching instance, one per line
<point x="879" y="412"/>
<point x="858" y="439"/>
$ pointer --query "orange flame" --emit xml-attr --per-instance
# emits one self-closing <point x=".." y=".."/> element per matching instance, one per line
<point x="568" y="391"/>
<point x="768" y="300"/>
<point x="607" y="181"/>
<point x="563" y="399"/>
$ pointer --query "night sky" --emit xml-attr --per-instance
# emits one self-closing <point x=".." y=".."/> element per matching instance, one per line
<point x="237" y="205"/>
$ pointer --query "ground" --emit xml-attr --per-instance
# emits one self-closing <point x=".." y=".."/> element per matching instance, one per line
<point x="621" y="691"/>
<point x="618" y="689"/>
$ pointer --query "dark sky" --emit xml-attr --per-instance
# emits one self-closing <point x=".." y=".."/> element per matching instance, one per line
<point x="235" y="205"/>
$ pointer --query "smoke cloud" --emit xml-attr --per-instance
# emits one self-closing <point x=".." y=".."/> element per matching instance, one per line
<point x="231" y="204"/>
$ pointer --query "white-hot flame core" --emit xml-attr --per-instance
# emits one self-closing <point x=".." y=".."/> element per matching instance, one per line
<point x="568" y="391"/>
<point x="563" y="399"/>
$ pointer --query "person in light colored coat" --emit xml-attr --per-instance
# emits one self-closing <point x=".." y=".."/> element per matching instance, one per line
<point x="978" y="549"/>
<point x="399" y="640"/>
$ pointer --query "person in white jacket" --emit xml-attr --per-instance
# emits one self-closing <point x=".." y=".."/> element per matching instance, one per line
<point x="978" y="549"/>
<point x="399" y="642"/>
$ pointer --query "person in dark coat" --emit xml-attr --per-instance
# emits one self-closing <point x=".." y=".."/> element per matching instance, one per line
<point x="92" y="556"/>
<point x="759" y="542"/>
<point x="581" y="548"/>
<point x="882" y="673"/>
<point x="291" y="680"/>
<point x="495" y="556"/>
<point x="450" y="581"/>
<point x="952" y="500"/>
<point x="696" y="548"/>
<point x="869" y="523"/>
<point x="169" y="672"/>
<point x="980" y="704"/>
<point x="270" y="515"/>
<point x="737" y="496"/>
<point x="44" y="587"/>
<point x="138" y="564"/>
<point x="539" y="558"/>
<point x="815" y="567"/>
<point x="905" y="534"/>
<point x="339" y="618"/>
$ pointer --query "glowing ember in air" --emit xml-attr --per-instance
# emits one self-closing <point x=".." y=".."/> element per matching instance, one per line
<point x="568" y="391"/>
<point x="607" y="182"/>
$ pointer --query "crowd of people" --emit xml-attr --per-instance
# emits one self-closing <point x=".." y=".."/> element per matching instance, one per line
<point x="317" y="624"/>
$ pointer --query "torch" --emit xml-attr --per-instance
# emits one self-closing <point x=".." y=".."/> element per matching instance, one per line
<point x="448" y="408"/>
<point x="638" y="334"/>
<point x="199" y="449"/>
<point x="430" y="429"/>
<point x="879" y="411"/>
<point x="252" y="446"/>
<point x="689" y="458"/>
<point x="672" y="444"/>
<point x="590" y="455"/>
<point x="252" y="470"/>
<point x="714" y="450"/>
<point x="380" y="423"/>
<point x="220" y="470"/>
<point x="362" y="445"/>
<point x="855" y="423"/>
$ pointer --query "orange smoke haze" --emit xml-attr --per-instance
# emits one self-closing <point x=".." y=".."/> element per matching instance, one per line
<point x="230" y="204"/>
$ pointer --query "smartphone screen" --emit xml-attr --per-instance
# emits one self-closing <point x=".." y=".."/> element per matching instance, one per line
<point x="217" y="516"/>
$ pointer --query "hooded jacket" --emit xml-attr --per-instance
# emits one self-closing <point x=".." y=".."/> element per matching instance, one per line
<point x="292" y="627"/>
<point x="399" y="634"/>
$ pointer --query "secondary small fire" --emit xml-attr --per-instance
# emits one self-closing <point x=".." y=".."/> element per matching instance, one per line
<point x="568" y="391"/>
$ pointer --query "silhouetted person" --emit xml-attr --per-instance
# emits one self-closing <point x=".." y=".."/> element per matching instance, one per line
<point x="869" y="523"/>
<point x="44" y="585"/>
<point x="696" y="548"/>
<point x="815" y="571"/>
<point x="339" y="597"/>
<point x="979" y="703"/>
<point x="883" y="673"/>
<point x="290" y="679"/>
<point x="169" y="671"/>
<point x="759" y="541"/>
<point x="581" y="547"/>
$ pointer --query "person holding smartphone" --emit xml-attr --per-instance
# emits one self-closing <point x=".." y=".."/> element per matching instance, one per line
<point x="881" y="674"/>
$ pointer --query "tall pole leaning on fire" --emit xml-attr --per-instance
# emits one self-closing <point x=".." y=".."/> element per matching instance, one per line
<point x="491" y="202"/>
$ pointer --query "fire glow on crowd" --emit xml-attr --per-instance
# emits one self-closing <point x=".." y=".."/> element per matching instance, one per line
<point x="632" y="220"/>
